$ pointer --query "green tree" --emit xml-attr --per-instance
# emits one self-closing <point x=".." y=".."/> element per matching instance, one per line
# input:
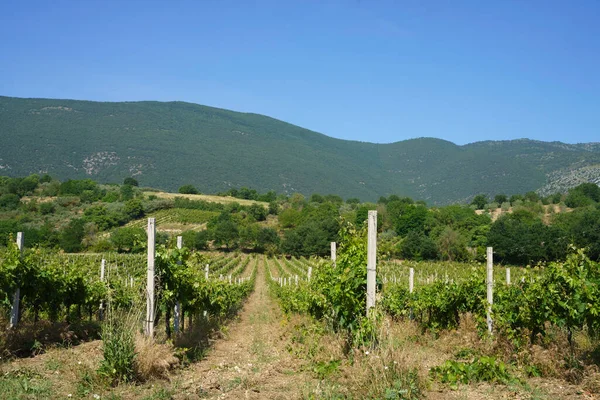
<point x="452" y="245"/>
<point x="71" y="236"/>
<point x="188" y="189"/>
<point x="130" y="181"/>
<point x="129" y="239"/>
<point x="479" y="201"/>
<point x="500" y="198"/>
<point x="133" y="209"/>
<point x="417" y="246"/>
<point x="126" y="192"/>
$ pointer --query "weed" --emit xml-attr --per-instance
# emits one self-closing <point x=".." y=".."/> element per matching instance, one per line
<point x="483" y="368"/>
<point x="119" y="352"/>
<point x="24" y="384"/>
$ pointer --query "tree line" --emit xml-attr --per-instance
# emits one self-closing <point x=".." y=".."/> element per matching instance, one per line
<point x="79" y="215"/>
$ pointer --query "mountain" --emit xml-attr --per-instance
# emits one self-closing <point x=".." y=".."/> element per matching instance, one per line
<point x="166" y="145"/>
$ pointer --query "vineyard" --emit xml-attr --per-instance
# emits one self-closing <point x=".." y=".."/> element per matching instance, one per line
<point x="329" y="330"/>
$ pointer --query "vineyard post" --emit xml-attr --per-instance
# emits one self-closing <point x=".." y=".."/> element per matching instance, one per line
<point x="371" y="259"/>
<point x="333" y="253"/>
<point x="14" y="312"/>
<point x="490" y="286"/>
<point x="411" y="280"/>
<point x="102" y="271"/>
<point x="206" y="272"/>
<point x="296" y="279"/>
<point x="508" y="276"/>
<point x="309" y="272"/>
<point x="177" y="311"/>
<point x="149" y="329"/>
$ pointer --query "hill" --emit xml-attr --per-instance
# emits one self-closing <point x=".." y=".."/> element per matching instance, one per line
<point x="167" y="145"/>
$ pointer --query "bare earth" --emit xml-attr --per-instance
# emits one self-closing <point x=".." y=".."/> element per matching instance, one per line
<point x="252" y="361"/>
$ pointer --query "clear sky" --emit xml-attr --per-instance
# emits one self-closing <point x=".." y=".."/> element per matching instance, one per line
<point x="369" y="70"/>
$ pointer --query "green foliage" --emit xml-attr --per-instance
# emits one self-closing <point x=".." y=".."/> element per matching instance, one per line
<point x="71" y="236"/>
<point x="188" y="189"/>
<point x="500" y="198"/>
<point x="126" y="192"/>
<point x="264" y="153"/>
<point x="9" y="201"/>
<point x="481" y="369"/>
<point x="479" y="201"/>
<point x="118" y="349"/>
<point x="128" y="239"/>
<point x="130" y="181"/>
<point x="337" y="294"/>
<point x="133" y="209"/>
<point x="583" y="195"/>
<point x="521" y="238"/>
<point x="417" y="246"/>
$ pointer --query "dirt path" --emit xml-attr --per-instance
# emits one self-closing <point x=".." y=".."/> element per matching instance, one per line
<point x="252" y="361"/>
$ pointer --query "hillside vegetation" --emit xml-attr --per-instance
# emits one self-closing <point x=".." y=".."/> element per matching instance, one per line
<point x="167" y="145"/>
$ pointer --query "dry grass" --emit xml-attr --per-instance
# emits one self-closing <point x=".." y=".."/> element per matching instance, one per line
<point x="153" y="360"/>
<point x="29" y="339"/>
<point x="205" y="197"/>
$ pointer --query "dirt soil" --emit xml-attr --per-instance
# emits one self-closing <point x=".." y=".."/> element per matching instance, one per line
<point x="252" y="362"/>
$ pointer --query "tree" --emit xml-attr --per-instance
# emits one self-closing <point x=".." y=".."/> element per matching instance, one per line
<point x="522" y="238"/>
<point x="514" y="198"/>
<point x="126" y="192"/>
<point x="130" y="181"/>
<point x="583" y="195"/>
<point x="452" y="245"/>
<point x="188" y="189"/>
<point x="479" y="201"/>
<point x="71" y="236"/>
<point x="500" y="198"/>
<point x="316" y="198"/>
<point x="133" y="209"/>
<point x="417" y="246"/>
<point x="9" y="201"/>
<point x="258" y="212"/>
<point x="128" y="239"/>
<point x="532" y="197"/>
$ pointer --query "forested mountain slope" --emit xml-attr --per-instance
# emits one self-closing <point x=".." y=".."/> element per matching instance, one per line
<point x="167" y="145"/>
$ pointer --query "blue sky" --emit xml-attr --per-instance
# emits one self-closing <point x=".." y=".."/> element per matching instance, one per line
<point x="378" y="71"/>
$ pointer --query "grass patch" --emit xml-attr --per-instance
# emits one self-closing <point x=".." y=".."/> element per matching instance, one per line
<point x="24" y="384"/>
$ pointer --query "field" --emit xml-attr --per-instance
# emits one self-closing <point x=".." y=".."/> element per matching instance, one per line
<point x="177" y="219"/>
<point x="269" y="327"/>
<point x="206" y="197"/>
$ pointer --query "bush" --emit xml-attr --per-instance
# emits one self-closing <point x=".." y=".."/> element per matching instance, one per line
<point x="47" y="208"/>
<point x="9" y="201"/>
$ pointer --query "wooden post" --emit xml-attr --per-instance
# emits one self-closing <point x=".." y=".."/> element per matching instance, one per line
<point x="411" y="280"/>
<point x="508" y="276"/>
<point x="149" y="329"/>
<point x="490" y="286"/>
<point x="177" y="310"/>
<point x="14" y="312"/>
<point x="371" y="259"/>
<point x="309" y="273"/>
<point x="296" y="280"/>
<point x="333" y="253"/>
<point x="102" y="271"/>
<point x="206" y="272"/>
